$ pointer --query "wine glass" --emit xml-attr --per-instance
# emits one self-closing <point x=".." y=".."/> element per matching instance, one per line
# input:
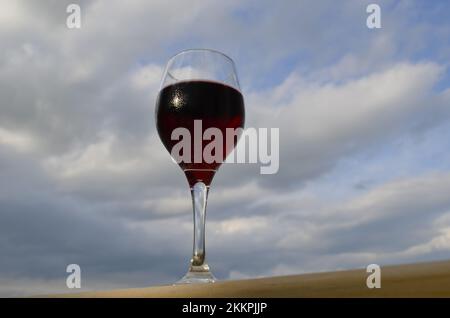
<point x="199" y="99"/>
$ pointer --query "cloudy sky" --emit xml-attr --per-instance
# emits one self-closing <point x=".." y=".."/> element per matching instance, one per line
<point x="364" y="118"/>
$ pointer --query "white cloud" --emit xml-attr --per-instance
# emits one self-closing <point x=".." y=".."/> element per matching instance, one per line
<point x="96" y="158"/>
<point x="320" y="123"/>
<point x="18" y="140"/>
<point x="147" y="77"/>
<point x="436" y="244"/>
<point x="241" y="226"/>
<point x="12" y="12"/>
<point x="77" y="110"/>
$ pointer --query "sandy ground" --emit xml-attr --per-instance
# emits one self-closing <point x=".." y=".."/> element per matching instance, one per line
<point x="415" y="280"/>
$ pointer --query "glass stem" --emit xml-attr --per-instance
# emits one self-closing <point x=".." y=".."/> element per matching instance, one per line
<point x="198" y="271"/>
<point x="199" y="194"/>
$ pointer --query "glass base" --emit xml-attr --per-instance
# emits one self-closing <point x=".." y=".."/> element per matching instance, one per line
<point x="197" y="275"/>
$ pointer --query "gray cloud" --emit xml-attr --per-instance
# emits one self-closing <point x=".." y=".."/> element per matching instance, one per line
<point x="84" y="178"/>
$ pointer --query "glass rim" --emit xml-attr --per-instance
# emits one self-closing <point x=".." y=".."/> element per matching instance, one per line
<point x="201" y="50"/>
<point x="235" y="85"/>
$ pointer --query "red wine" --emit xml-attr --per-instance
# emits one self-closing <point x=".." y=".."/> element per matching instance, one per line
<point x="216" y="105"/>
